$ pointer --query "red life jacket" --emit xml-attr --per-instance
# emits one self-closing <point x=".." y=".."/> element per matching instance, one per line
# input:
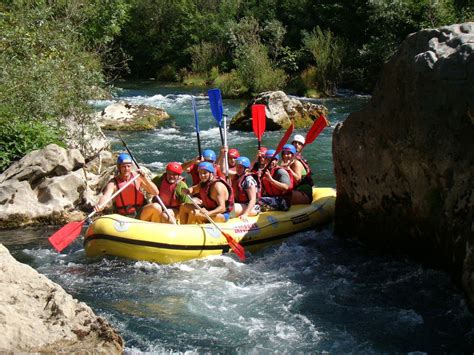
<point x="168" y="193"/>
<point x="208" y="202"/>
<point x="307" y="179"/>
<point x="130" y="199"/>
<point x="240" y="194"/>
<point x="270" y="190"/>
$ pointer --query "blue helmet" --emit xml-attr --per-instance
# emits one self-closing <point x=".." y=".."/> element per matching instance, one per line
<point x="206" y="166"/>
<point x="208" y="154"/>
<point x="124" y="158"/>
<point x="289" y="148"/>
<point x="269" y="154"/>
<point x="244" y="161"/>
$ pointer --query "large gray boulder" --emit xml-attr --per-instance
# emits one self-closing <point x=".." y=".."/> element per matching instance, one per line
<point x="37" y="315"/>
<point x="280" y="111"/>
<point x="404" y="164"/>
<point x="48" y="186"/>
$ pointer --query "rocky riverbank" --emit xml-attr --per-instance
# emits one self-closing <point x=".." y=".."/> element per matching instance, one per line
<point x="404" y="164"/>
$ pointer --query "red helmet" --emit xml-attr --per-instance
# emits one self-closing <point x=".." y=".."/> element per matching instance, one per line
<point x="263" y="150"/>
<point x="174" y="167"/>
<point x="233" y="153"/>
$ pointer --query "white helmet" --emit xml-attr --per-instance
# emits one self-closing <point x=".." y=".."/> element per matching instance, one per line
<point x="298" y="138"/>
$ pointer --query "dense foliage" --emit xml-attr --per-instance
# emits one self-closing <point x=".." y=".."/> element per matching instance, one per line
<point x="297" y="44"/>
<point x="54" y="55"/>
<point x="51" y="55"/>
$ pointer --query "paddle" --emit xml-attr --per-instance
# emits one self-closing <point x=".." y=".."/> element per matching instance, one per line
<point x="319" y="124"/>
<point x="160" y="201"/>
<point x="258" y="122"/>
<point x="196" y="123"/>
<point x="66" y="235"/>
<point x="236" y="247"/>
<point x="215" y="100"/>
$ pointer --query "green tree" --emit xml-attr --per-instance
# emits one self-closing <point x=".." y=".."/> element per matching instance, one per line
<point x="47" y="73"/>
<point x="327" y="52"/>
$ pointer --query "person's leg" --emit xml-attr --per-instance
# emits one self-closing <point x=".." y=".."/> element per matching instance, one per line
<point x="165" y="218"/>
<point x="185" y="211"/>
<point x="151" y="213"/>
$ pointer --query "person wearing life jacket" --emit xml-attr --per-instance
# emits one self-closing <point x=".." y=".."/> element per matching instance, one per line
<point x="277" y="184"/>
<point x="216" y="196"/>
<point x="302" y="192"/>
<point x="245" y="188"/>
<point x="191" y="166"/>
<point x="259" y="161"/>
<point x="170" y="186"/>
<point x="232" y="155"/>
<point x="299" y="142"/>
<point x="131" y="201"/>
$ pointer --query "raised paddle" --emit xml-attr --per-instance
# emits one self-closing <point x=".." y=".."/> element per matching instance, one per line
<point x="258" y="122"/>
<point x="319" y="124"/>
<point x="66" y="235"/>
<point x="196" y="123"/>
<point x="160" y="201"/>
<point x="236" y="247"/>
<point x="215" y="100"/>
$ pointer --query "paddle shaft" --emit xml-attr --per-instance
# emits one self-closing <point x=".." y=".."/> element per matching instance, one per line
<point x="236" y="247"/>
<point x="196" y="123"/>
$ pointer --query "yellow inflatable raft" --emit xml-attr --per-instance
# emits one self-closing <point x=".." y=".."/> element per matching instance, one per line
<point x="130" y="238"/>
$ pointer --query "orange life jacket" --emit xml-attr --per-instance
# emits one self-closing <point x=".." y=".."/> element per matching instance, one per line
<point x="130" y="199"/>
<point x="205" y="195"/>
<point x="270" y="190"/>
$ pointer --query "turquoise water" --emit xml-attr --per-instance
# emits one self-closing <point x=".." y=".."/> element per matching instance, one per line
<point x="314" y="293"/>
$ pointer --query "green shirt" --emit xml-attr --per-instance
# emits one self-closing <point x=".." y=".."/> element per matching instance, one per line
<point x="179" y="188"/>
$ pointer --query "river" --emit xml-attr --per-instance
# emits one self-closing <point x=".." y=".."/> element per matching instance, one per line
<point x="314" y="293"/>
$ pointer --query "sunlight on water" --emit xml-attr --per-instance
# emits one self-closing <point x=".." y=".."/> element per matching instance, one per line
<point x="313" y="293"/>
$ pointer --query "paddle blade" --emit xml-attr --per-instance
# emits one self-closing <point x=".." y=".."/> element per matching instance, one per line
<point x="215" y="100"/>
<point x="317" y="127"/>
<point x="258" y="120"/>
<point x="236" y="247"/>
<point x="285" y="138"/>
<point x="66" y="235"/>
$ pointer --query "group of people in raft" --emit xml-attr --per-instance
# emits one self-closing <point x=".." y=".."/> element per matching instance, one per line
<point x="262" y="185"/>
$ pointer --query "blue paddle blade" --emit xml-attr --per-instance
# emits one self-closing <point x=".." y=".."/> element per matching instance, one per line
<point x="215" y="99"/>
<point x="196" y="118"/>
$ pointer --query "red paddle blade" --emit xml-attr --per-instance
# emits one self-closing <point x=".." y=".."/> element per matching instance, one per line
<point x="258" y="120"/>
<point x="285" y="138"/>
<point x="65" y="236"/>
<point x="236" y="247"/>
<point x="317" y="127"/>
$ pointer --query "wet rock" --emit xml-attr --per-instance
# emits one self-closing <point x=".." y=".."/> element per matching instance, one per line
<point x="46" y="186"/>
<point x="404" y="163"/>
<point x="130" y="117"/>
<point x="280" y="111"/>
<point x="37" y="315"/>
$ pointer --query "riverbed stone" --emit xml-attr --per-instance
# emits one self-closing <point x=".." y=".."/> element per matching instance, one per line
<point x="124" y="116"/>
<point x="37" y="315"/>
<point x="45" y="186"/>
<point x="404" y="163"/>
<point x="280" y="111"/>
